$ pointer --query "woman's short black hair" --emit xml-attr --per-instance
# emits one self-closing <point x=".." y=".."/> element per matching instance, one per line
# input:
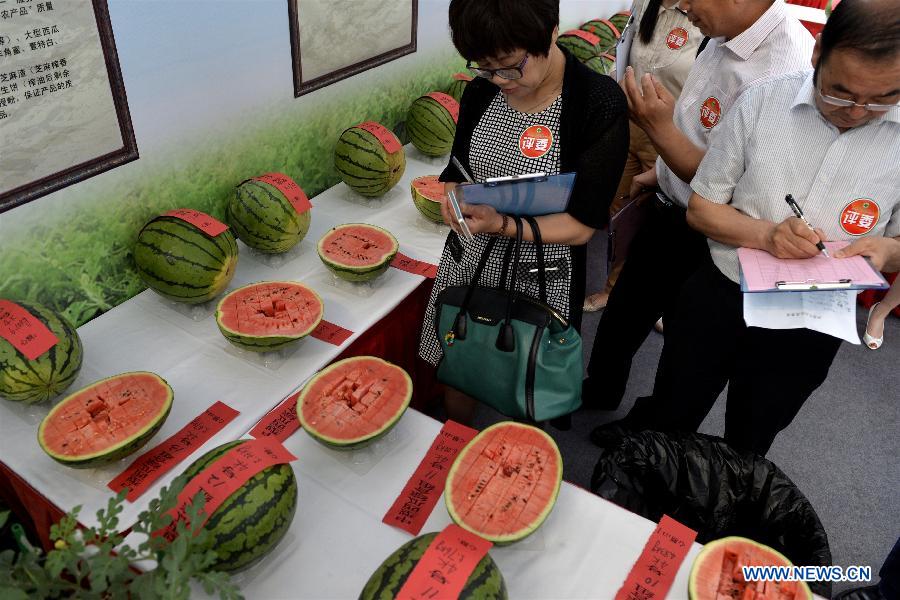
<point x="870" y="27"/>
<point x="487" y="28"/>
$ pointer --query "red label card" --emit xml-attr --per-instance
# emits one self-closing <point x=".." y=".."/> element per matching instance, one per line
<point x="151" y="465"/>
<point x="224" y="477"/>
<point x="653" y="573"/>
<point x="587" y="36"/>
<point x="462" y="77"/>
<point x="24" y="331"/>
<point x="412" y="507"/>
<point x="331" y="333"/>
<point x="202" y="221"/>
<point x="448" y="102"/>
<point x="416" y="267"/>
<point x="280" y="423"/>
<point x="445" y="567"/>
<point x="287" y="186"/>
<point x="383" y="134"/>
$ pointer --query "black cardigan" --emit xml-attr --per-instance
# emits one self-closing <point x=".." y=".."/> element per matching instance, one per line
<point x="593" y="134"/>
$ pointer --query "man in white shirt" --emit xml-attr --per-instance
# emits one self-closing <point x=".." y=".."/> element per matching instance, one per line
<point x="829" y="137"/>
<point x="751" y="40"/>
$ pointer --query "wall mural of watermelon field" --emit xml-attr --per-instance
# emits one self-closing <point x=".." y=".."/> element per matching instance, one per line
<point x="78" y="260"/>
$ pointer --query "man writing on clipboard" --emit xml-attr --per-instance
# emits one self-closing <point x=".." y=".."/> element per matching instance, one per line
<point x="751" y="39"/>
<point x="831" y="138"/>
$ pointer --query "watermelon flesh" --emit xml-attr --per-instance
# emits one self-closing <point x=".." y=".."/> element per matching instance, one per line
<point x="717" y="573"/>
<point x="353" y="402"/>
<point x="268" y="316"/>
<point x="505" y="482"/>
<point x="428" y="195"/>
<point x="358" y="251"/>
<point x="107" y="420"/>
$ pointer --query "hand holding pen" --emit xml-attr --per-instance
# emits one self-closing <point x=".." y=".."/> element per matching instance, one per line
<point x="794" y="237"/>
<point x="799" y="212"/>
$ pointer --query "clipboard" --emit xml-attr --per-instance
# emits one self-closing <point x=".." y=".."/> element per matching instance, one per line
<point x="534" y="194"/>
<point x="623" y="49"/>
<point x="762" y="272"/>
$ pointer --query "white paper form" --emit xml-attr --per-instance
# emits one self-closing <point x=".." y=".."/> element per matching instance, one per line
<point x="832" y="313"/>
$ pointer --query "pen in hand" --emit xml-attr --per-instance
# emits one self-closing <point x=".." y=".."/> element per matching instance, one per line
<point x="799" y="212"/>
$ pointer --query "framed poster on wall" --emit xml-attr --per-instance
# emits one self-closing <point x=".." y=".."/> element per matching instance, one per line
<point x="63" y="111"/>
<point x="335" y="39"/>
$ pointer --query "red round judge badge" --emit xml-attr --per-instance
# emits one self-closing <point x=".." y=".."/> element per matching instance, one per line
<point x="710" y="112"/>
<point x="677" y="38"/>
<point x="860" y="216"/>
<point x="536" y="141"/>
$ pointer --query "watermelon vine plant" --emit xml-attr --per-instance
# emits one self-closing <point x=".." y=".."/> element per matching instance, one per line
<point x="93" y="562"/>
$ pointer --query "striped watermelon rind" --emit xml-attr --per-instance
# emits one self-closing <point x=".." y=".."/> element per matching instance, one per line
<point x="124" y="448"/>
<point x="49" y="375"/>
<point x="361" y="441"/>
<point x="430" y="126"/>
<point x="255" y="342"/>
<point x="264" y="219"/>
<point x="358" y="274"/>
<point x="182" y="263"/>
<point x="429" y="207"/>
<point x="456" y="477"/>
<point x="364" y="164"/>
<point x="709" y="561"/>
<point x="603" y="63"/>
<point x="579" y="47"/>
<point x="456" y="89"/>
<point x="484" y="583"/>
<point x="608" y="33"/>
<point x="620" y="20"/>
<point x="249" y="523"/>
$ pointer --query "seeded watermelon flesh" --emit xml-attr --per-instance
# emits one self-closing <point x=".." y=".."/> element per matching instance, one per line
<point x="268" y="316"/>
<point x="353" y="402"/>
<point x="428" y="194"/>
<point x="358" y="251"/>
<point x="484" y="583"/>
<point x="505" y="482"/>
<point x="717" y="575"/>
<point x="107" y="420"/>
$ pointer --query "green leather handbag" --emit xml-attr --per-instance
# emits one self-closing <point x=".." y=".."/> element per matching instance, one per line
<point x="506" y="349"/>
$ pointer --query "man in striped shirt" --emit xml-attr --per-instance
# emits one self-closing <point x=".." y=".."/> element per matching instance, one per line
<point x="831" y="138"/>
<point x="751" y="40"/>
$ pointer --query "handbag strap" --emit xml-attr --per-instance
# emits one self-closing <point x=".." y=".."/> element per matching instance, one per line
<point x="506" y="338"/>
<point x="507" y="260"/>
<point x="539" y="250"/>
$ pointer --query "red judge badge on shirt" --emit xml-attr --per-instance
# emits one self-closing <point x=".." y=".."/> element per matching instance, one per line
<point x="677" y="38"/>
<point x="860" y="216"/>
<point x="710" y="112"/>
<point x="536" y="141"/>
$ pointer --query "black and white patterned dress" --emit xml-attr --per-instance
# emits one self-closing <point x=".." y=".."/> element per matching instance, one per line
<point x="499" y="145"/>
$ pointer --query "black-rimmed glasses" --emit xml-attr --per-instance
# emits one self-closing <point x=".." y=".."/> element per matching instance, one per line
<point x="507" y="73"/>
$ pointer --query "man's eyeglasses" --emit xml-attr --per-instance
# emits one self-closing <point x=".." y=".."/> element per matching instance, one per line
<point x="844" y="103"/>
<point x="507" y="73"/>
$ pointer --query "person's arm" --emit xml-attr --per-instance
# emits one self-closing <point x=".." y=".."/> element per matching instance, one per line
<point x="652" y="108"/>
<point x="721" y="222"/>
<point x="559" y="228"/>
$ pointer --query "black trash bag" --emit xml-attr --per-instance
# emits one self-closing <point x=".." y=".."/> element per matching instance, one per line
<point x="703" y="483"/>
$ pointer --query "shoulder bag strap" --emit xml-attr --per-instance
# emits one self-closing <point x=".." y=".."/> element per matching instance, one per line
<point x="539" y="251"/>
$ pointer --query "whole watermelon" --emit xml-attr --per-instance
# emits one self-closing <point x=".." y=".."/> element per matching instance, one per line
<point x="485" y="582"/>
<point x="182" y="263"/>
<point x="263" y="218"/>
<point x="251" y="522"/>
<point x="607" y="31"/>
<point x="580" y="45"/>
<point x="365" y="165"/>
<point x="603" y="64"/>
<point x="431" y="127"/>
<point x="458" y="86"/>
<point x="47" y="376"/>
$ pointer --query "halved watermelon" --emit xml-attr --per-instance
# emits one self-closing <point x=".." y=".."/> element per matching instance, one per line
<point x="716" y="573"/>
<point x="353" y="402"/>
<point x="270" y="315"/>
<point x="358" y="251"/>
<point x="504" y="483"/>
<point x="428" y="194"/>
<point x="107" y="420"/>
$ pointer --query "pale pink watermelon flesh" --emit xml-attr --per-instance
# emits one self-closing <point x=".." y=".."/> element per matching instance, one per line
<point x="271" y="308"/>
<point x="354" y="400"/>
<point x="104" y="415"/>
<point x="717" y="574"/>
<point x="357" y="246"/>
<point x="505" y="481"/>
<point x="430" y="187"/>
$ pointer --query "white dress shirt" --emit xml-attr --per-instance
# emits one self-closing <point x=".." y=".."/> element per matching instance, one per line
<point x="777" y="43"/>
<point x="775" y="142"/>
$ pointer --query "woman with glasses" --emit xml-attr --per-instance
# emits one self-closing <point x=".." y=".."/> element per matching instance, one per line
<point x="531" y="108"/>
<point x="665" y="45"/>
